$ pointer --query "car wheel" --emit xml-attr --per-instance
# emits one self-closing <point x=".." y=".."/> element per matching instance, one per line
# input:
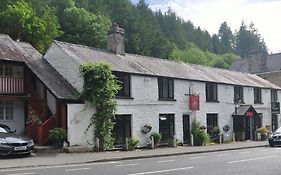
<point x="271" y="144"/>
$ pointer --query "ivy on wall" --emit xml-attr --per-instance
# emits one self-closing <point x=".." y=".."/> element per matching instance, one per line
<point x="100" y="88"/>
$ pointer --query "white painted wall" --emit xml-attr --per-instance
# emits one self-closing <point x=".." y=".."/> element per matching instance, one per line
<point x="145" y="108"/>
<point x="77" y="122"/>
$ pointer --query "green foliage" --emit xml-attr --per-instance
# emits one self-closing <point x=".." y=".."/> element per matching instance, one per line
<point x="199" y="135"/>
<point x="156" y="137"/>
<point x="214" y="131"/>
<point x="100" y="89"/>
<point x="21" y="21"/>
<point x="249" y="41"/>
<point x="83" y="27"/>
<point x="58" y="134"/>
<point x="192" y="54"/>
<point x="133" y="142"/>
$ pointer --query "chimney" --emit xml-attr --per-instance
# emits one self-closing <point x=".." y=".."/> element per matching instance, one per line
<point x="116" y="40"/>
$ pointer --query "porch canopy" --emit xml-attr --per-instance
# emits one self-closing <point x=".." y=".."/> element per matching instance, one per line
<point x="245" y="110"/>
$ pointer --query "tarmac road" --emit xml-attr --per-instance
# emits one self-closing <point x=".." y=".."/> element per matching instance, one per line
<point x="254" y="161"/>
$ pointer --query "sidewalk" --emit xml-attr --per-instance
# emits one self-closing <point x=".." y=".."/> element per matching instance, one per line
<point x="49" y="159"/>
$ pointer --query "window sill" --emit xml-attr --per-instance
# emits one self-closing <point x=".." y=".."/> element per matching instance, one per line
<point x="212" y="101"/>
<point x="128" y="98"/>
<point x="167" y="99"/>
<point x="261" y="103"/>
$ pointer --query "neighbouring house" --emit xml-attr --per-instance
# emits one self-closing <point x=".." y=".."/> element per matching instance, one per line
<point x="269" y="68"/>
<point x="32" y="93"/>
<point x="164" y="94"/>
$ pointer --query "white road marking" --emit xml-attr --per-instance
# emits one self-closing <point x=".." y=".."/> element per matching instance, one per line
<point x="258" y="158"/>
<point x="165" y="161"/>
<point x="23" y="173"/>
<point x="193" y="158"/>
<point x="222" y="155"/>
<point x="161" y="171"/>
<point x="133" y="164"/>
<point x="77" y="169"/>
<point x="56" y="166"/>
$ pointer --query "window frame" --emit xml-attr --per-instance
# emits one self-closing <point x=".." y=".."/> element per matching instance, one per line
<point x="6" y="70"/>
<point x="240" y="91"/>
<point x="211" y="121"/>
<point x="124" y="80"/>
<point x="274" y="95"/>
<point x="6" y="111"/>
<point x="257" y="95"/>
<point x="166" y="85"/>
<point x="211" y="90"/>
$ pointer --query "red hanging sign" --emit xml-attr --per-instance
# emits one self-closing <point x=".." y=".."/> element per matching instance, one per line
<point x="249" y="114"/>
<point x="194" y="102"/>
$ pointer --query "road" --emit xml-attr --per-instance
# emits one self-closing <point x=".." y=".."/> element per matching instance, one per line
<point x="255" y="161"/>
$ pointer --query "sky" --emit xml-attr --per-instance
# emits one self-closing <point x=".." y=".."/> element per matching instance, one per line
<point x="210" y="14"/>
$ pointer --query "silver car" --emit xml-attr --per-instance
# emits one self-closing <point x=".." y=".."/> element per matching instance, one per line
<point x="11" y="143"/>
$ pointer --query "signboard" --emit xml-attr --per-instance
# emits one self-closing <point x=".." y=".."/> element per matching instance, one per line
<point x="194" y="102"/>
<point x="249" y="114"/>
<point x="275" y="107"/>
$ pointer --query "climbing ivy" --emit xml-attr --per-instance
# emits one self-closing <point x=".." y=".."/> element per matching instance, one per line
<point x="100" y="89"/>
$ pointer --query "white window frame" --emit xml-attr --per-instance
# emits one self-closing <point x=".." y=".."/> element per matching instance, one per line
<point x="6" y="111"/>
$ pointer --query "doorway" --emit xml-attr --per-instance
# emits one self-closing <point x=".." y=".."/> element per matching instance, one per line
<point x="186" y="129"/>
<point x="166" y="127"/>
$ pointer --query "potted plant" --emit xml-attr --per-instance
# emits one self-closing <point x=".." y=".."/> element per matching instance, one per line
<point x="156" y="137"/>
<point x="263" y="131"/>
<point x="132" y="143"/>
<point x="58" y="136"/>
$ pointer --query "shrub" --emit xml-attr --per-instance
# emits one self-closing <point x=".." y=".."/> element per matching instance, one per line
<point x="200" y="137"/>
<point x="132" y="143"/>
<point x="58" y="134"/>
<point x="156" y="137"/>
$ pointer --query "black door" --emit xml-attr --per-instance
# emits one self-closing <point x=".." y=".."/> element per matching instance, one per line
<point x="186" y="129"/>
<point x="166" y="127"/>
<point x="121" y="129"/>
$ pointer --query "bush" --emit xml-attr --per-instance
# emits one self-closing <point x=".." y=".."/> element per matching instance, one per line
<point x="200" y="137"/>
<point x="156" y="137"/>
<point x="58" y="134"/>
<point x="132" y="143"/>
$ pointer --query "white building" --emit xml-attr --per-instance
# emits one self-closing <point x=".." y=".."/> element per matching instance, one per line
<point x="157" y="92"/>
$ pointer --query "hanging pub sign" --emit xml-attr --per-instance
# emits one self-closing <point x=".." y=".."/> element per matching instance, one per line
<point x="275" y="107"/>
<point x="194" y="102"/>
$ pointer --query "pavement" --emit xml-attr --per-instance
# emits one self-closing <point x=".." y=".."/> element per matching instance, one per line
<point x="54" y="158"/>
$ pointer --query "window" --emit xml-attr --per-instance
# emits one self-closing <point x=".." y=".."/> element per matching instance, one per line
<point x="238" y="94"/>
<point x="257" y="95"/>
<point x="6" y="110"/>
<point x="212" y="121"/>
<point x="211" y="92"/>
<point x="124" y="80"/>
<point x="6" y="70"/>
<point x="166" y="88"/>
<point x="274" y="96"/>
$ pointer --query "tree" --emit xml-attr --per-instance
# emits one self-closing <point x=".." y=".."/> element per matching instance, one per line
<point x="248" y="41"/>
<point x="100" y="88"/>
<point x="226" y="39"/>
<point x="20" y="21"/>
<point x="83" y="27"/>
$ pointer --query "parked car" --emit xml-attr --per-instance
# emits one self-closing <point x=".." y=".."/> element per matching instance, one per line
<point x="11" y="143"/>
<point x="275" y="138"/>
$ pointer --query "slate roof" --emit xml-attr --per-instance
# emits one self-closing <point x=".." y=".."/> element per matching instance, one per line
<point x="273" y="63"/>
<point x="25" y="52"/>
<point x="8" y="51"/>
<point x="137" y="64"/>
